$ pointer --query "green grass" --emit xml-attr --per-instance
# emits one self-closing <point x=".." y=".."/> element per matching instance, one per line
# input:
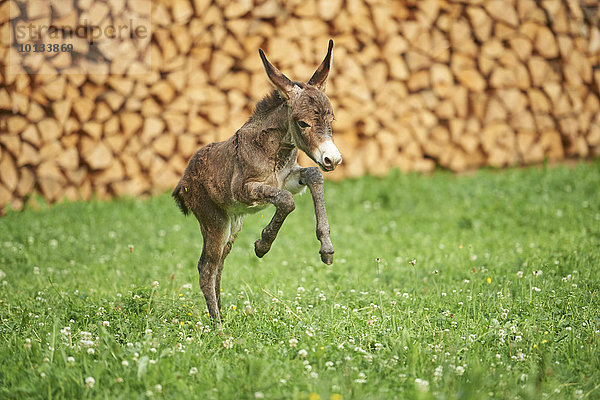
<point x="502" y="300"/>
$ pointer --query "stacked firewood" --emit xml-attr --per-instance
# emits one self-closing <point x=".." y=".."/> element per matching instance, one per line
<point x="415" y="84"/>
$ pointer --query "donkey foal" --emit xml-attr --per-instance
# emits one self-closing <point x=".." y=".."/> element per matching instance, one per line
<point x="257" y="166"/>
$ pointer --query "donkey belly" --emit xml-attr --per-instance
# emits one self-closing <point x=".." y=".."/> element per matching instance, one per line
<point x="241" y="209"/>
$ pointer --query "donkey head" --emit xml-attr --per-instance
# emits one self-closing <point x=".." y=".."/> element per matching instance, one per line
<point x="310" y="113"/>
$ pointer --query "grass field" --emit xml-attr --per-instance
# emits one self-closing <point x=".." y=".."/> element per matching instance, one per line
<point x="487" y="286"/>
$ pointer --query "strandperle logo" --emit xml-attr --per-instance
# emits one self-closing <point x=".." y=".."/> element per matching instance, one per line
<point x="92" y="33"/>
<point x="78" y="37"/>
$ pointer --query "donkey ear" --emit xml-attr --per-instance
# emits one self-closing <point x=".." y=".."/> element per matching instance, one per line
<point x="320" y="76"/>
<point x="279" y="80"/>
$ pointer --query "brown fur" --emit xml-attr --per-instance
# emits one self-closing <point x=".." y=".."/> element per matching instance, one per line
<point x="257" y="166"/>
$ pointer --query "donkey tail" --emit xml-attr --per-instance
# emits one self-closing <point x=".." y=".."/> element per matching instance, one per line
<point x="179" y="200"/>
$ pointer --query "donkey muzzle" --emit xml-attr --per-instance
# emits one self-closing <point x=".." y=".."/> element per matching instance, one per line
<point x="328" y="156"/>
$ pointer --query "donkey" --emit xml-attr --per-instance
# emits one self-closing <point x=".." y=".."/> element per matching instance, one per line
<point x="258" y="165"/>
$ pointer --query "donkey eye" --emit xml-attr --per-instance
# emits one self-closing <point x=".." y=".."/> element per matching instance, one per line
<point x="303" y="124"/>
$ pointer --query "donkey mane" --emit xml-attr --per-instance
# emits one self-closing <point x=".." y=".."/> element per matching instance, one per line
<point x="268" y="104"/>
<point x="271" y="102"/>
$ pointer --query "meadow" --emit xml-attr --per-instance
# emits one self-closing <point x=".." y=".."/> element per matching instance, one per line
<point x="443" y="286"/>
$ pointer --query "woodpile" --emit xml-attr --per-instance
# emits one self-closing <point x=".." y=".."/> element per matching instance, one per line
<point x="415" y="84"/>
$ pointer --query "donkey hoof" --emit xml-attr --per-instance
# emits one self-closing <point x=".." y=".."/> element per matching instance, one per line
<point x="327" y="258"/>
<point x="260" y="249"/>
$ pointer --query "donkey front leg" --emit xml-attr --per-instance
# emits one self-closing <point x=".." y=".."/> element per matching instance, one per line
<point x="313" y="178"/>
<point x="284" y="204"/>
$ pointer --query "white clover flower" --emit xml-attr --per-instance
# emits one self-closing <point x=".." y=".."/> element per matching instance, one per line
<point x="519" y="274"/>
<point x="302" y="353"/>
<point x="152" y="350"/>
<point x="422" y="385"/>
<point x="259" y="395"/>
<point x="329" y="365"/>
<point x="193" y="371"/>
<point x="523" y="377"/>
<point x="158" y="388"/>
<point x="293" y="342"/>
<point x="362" y="378"/>
<point x="148" y="331"/>
<point x="90" y="381"/>
<point x="314" y="375"/>
<point x="106" y="323"/>
<point x="91" y="350"/>
<point x="439" y="372"/>
<point x="155" y="284"/>
<point x="228" y="343"/>
<point x="125" y="363"/>
<point x="460" y="370"/>
<point x="187" y="286"/>
<point x="36" y="270"/>
<point x="71" y="359"/>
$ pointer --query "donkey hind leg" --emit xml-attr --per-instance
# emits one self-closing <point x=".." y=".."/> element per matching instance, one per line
<point x="313" y="178"/>
<point x="215" y="238"/>
<point x="284" y="204"/>
<point x="235" y="227"/>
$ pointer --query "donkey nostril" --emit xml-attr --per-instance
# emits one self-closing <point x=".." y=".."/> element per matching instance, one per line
<point x="327" y="161"/>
